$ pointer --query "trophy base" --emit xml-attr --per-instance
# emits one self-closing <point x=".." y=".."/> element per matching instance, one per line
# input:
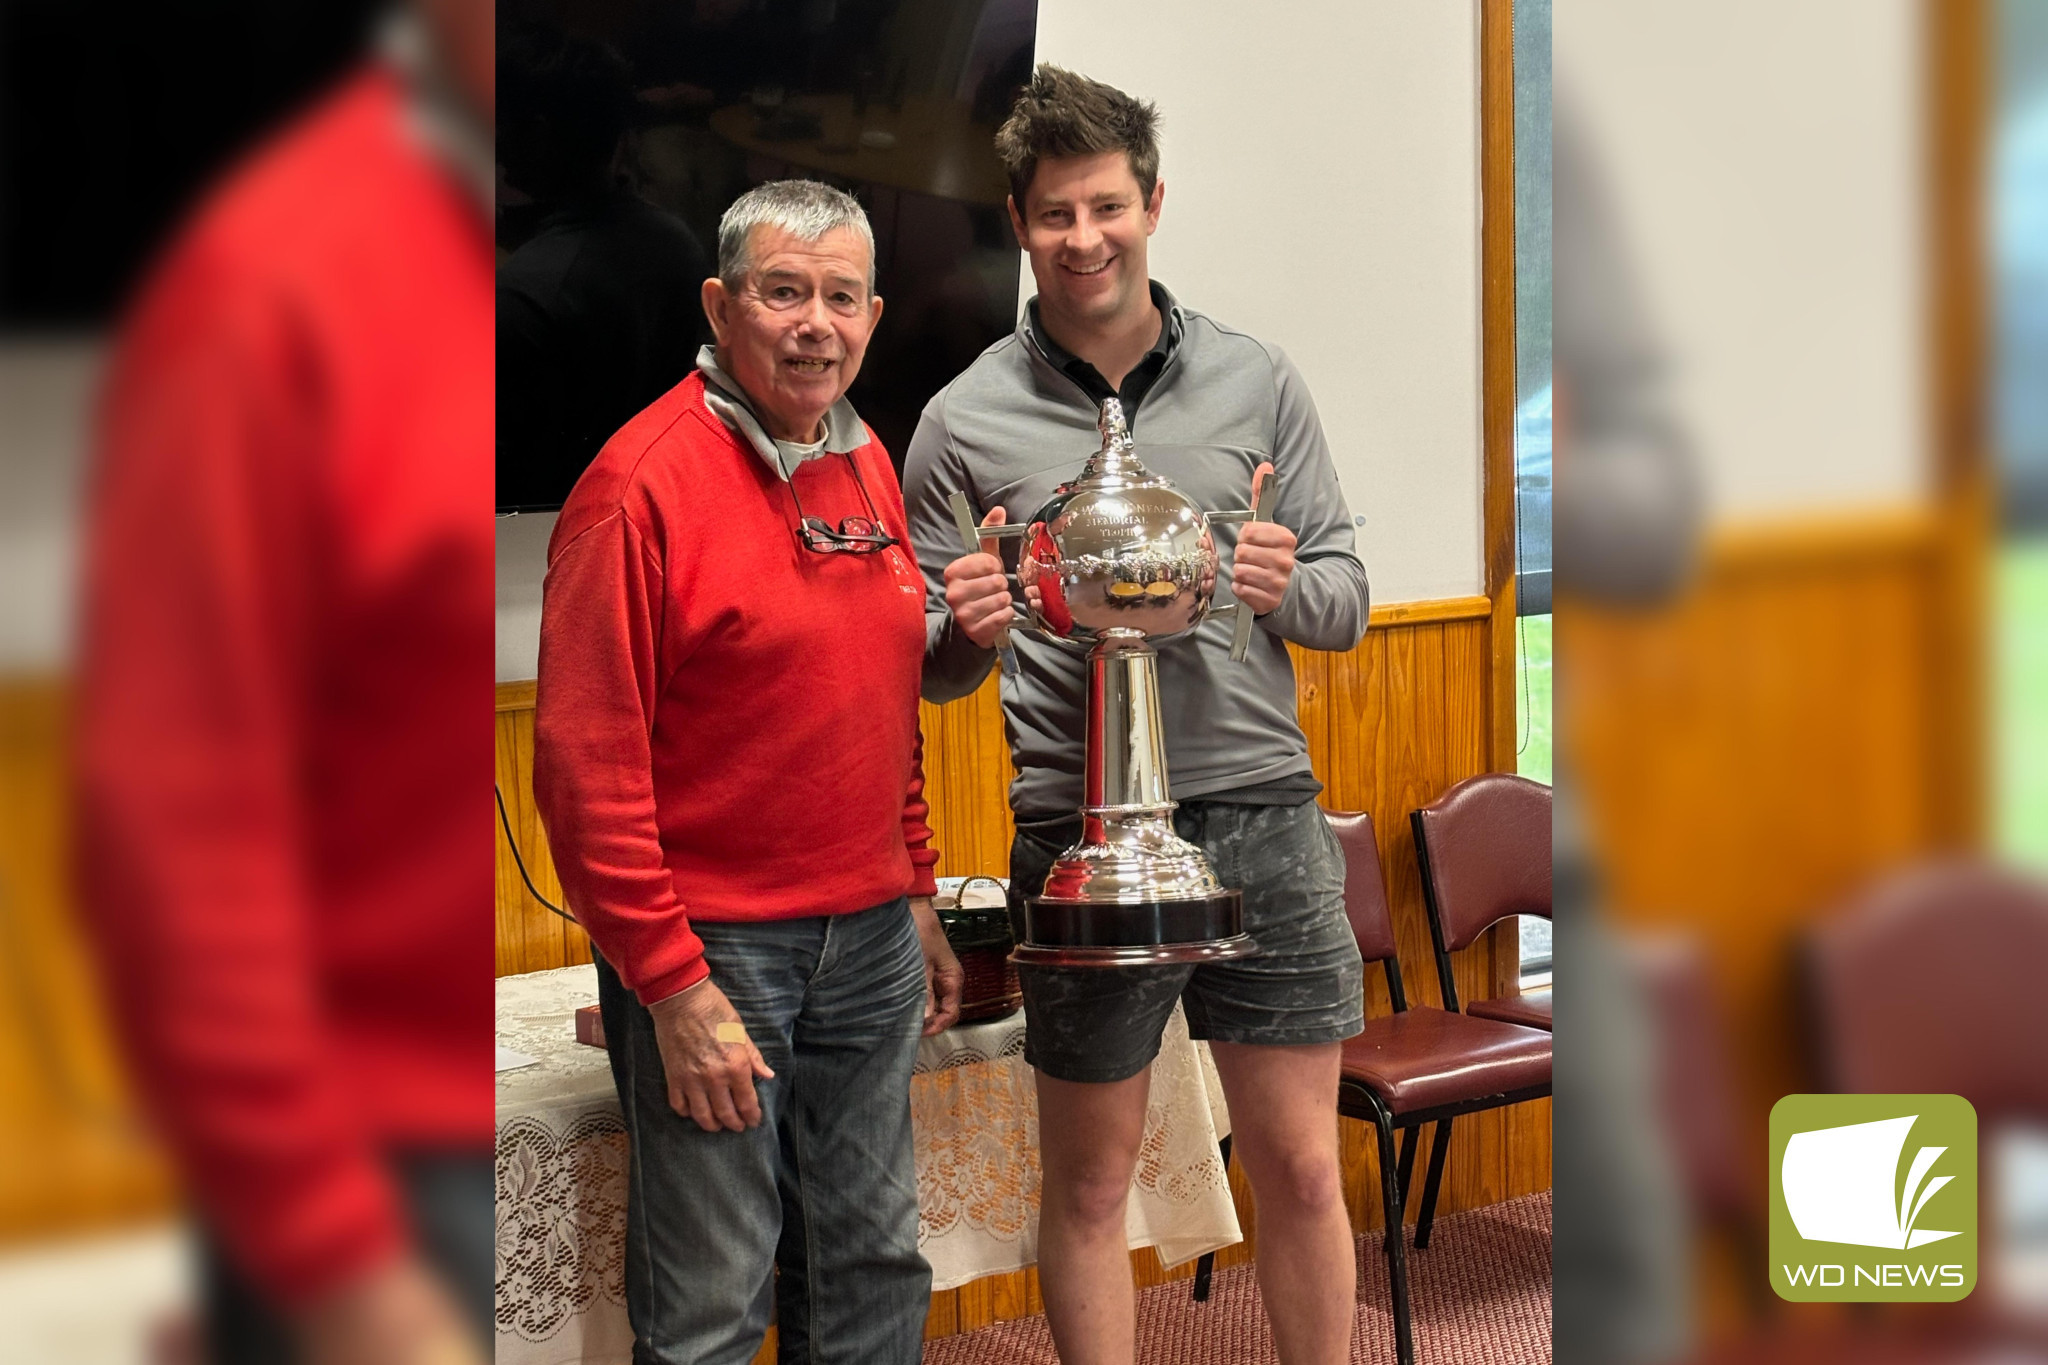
<point x="1157" y="955"/>
<point x="1066" y="933"/>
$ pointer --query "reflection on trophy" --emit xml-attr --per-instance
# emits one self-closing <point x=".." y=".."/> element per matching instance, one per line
<point x="1120" y="560"/>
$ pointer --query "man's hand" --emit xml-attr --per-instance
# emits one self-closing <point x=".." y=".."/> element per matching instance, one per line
<point x="1264" y="564"/>
<point x="942" y="975"/>
<point x="400" y="1314"/>
<point x="1028" y="571"/>
<point x="709" y="1080"/>
<point x="977" y="591"/>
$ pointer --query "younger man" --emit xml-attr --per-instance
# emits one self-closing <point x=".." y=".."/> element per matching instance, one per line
<point x="1207" y="404"/>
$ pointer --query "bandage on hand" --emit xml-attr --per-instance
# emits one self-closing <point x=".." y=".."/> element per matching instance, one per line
<point x="731" y="1032"/>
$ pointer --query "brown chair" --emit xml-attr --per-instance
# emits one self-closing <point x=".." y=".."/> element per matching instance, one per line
<point x="1931" y="983"/>
<point x="1418" y="1066"/>
<point x="1484" y="850"/>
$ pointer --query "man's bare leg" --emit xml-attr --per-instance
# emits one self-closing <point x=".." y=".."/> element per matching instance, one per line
<point x="1283" y="1120"/>
<point x="1088" y="1136"/>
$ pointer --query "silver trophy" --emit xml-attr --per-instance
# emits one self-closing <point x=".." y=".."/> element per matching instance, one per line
<point x="1120" y="560"/>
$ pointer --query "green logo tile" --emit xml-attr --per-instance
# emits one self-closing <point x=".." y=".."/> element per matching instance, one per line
<point x="1873" y="1198"/>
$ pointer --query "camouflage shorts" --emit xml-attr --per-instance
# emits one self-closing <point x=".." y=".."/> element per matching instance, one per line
<point x="1305" y="985"/>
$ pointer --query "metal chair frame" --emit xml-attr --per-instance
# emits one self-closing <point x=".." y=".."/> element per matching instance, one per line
<point x="1397" y="1170"/>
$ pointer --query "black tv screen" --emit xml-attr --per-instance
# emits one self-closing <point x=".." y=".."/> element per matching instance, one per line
<point x="626" y="128"/>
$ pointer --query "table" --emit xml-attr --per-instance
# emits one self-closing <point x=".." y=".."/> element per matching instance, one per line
<point x="561" y="1168"/>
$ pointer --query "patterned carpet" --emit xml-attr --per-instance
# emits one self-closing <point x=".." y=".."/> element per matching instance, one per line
<point x="1481" y="1292"/>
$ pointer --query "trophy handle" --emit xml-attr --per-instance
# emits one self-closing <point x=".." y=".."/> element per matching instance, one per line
<point x="971" y="536"/>
<point x="1263" y="482"/>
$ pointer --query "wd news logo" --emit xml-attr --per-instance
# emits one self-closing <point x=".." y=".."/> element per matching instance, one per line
<point x="1873" y="1198"/>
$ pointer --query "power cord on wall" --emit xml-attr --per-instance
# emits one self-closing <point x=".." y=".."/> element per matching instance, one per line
<point x="505" y="821"/>
<point x="1521" y="621"/>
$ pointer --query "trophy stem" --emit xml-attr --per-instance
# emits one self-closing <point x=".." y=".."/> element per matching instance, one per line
<point x="1126" y="750"/>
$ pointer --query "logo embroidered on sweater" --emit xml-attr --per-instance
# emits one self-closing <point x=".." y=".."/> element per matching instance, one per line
<point x="1846" y="1176"/>
<point x="908" y="580"/>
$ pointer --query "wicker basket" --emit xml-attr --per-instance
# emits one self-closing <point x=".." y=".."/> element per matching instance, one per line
<point x="980" y="935"/>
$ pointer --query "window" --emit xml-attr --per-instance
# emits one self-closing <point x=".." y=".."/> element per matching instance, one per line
<point x="2019" y="275"/>
<point x="1532" y="425"/>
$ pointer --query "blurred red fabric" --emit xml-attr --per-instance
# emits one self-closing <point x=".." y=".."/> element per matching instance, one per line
<point x="283" y="729"/>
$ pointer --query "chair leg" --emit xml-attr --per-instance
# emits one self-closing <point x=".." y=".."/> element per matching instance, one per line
<point x="1411" y="1143"/>
<point x="1396" y="1243"/>
<point x="1440" y="1143"/>
<point x="1206" y="1266"/>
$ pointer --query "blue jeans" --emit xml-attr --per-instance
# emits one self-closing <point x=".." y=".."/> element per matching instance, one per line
<point x="815" y="1210"/>
<point x="448" y="1195"/>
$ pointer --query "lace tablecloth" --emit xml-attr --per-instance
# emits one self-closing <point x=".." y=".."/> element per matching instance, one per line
<point x="561" y="1166"/>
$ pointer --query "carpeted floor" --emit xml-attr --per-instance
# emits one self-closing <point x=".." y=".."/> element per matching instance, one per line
<point x="1481" y="1294"/>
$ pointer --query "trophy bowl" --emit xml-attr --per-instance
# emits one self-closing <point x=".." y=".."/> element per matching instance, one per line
<point x="1118" y="554"/>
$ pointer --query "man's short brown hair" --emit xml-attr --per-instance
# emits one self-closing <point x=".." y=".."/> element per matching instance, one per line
<point x="1061" y="113"/>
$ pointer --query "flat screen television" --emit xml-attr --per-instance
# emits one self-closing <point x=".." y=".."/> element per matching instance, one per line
<point x="627" y="127"/>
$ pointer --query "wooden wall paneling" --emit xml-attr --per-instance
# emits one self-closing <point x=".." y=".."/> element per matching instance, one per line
<point x="977" y="1305"/>
<point x="1764" y="748"/>
<point x="942" y="1319"/>
<point x="1313" y="689"/>
<point x="1960" y="53"/>
<point x="74" y="1153"/>
<point x="1387" y="615"/>
<point x="1497" y="359"/>
<point x="1465" y="734"/>
<point x="1757" y="752"/>
<point x="530" y="937"/>
<point x="967" y="777"/>
<point x="1016" y="1295"/>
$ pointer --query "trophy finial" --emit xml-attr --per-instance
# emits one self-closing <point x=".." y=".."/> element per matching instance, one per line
<point x="1118" y="457"/>
<point x="1111" y="423"/>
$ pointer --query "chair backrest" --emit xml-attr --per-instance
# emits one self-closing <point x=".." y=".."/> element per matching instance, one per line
<point x="1931" y="982"/>
<point x="1484" y="848"/>
<point x="1365" y="891"/>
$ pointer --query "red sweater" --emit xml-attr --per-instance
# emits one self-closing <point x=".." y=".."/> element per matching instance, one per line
<point x="727" y="722"/>
<point x="283" y="725"/>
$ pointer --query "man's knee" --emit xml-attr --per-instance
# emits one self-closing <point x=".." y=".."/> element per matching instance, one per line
<point x="1089" y="1190"/>
<point x="1304" y="1176"/>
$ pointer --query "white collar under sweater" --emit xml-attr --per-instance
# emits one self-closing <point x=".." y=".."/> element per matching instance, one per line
<point x="729" y="402"/>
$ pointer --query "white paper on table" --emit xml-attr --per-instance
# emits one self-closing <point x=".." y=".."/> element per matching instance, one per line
<point x="508" y="1060"/>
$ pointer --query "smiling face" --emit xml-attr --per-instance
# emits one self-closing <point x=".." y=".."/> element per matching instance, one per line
<point x="793" y="333"/>
<point x="1085" y="225"/>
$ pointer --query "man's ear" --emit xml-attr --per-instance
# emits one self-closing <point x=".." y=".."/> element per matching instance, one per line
<point x="716" y="304"/>
<point x="874" y="312"/>
<point x="1016" y="220"/>
<point x="1153" y="206"/>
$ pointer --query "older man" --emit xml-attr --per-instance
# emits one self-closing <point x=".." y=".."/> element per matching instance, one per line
<point x="727" y="761"/>
<point x="1208" y="404"/>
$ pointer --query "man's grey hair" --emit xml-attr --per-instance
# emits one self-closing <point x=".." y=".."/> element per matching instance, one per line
<point x="804" y="209"/>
